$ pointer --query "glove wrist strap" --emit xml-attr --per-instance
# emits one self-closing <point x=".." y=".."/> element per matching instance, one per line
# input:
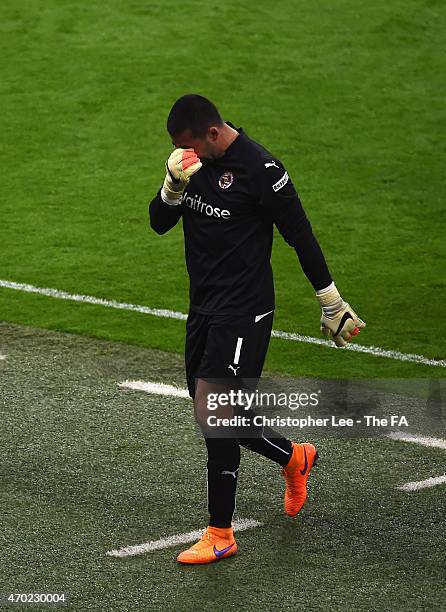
<point x="168" y="199"/>
<point x="172" y="191"/>
<point x="330" y="300"/>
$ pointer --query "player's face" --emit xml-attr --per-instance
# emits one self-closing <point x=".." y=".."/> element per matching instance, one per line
<point x="205" y="147"/>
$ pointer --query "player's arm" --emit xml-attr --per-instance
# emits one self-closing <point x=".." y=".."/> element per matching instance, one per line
<point x="278" y="196"/>
<point x="165" y="208"/>
<point x="163" y="216"/>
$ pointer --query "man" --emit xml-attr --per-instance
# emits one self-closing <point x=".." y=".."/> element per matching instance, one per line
<point x="229" y="192"/>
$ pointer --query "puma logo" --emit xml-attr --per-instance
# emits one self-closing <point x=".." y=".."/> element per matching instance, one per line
<point x="269" y="164"/>
<point x="231" y="367"/>
<point x="229" y="473"/>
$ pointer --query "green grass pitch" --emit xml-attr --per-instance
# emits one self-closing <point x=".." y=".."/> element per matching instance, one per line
<point x="350" y="96"/>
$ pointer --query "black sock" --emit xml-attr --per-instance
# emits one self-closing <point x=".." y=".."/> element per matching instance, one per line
<point x="266" y="442"/>
<point x="223" y="465"/>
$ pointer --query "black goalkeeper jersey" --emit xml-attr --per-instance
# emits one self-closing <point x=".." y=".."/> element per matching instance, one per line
<point x="228" y="211"/>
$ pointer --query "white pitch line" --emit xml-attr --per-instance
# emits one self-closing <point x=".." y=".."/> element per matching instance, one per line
<point x="169" y="541"/>
<point x="89" y="299"/>
<point x="423" y="484"/>
<point x="423" y="440"/>
<point x="376" y="351"/>
<point x="156" y="388"/>
<point x="172" y="314"/>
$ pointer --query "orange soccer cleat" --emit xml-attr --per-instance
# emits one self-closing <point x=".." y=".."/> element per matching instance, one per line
<point x="215" y="544"/>
<point x="296" y="474"/>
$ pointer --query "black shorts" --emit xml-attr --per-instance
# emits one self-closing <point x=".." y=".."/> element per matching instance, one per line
<point x="226" y="347"/>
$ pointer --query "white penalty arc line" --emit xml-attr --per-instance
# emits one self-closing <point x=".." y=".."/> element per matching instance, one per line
<point x="401" y="436"/>
<point x="172" y="314"/>
<point x="423" y="484"/>
<point x="171" y="390"/>
<point x="175" y="540"/>
<point x="156" y="388"/>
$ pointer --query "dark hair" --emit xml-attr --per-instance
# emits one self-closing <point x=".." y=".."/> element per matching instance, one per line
<point x="195" y="113"/>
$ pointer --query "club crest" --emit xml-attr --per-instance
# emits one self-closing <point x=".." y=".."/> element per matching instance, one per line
<point x="226" y="180"/>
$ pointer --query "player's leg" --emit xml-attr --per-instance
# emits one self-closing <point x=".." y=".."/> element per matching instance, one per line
<point x="218" y="540"/>
<point x="266" y="441"/>
<point x="235" y="353"/>
<point x="223" y="456"/>
<point x="247" y="342"/>
<point x="234" y="345"/>
<point x="197" y="326"/>
<point x="296" y="460"/>
<point x="223" y="452"/>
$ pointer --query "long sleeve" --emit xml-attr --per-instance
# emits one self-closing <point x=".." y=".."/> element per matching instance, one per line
<point x="163" y="216"/>
<point x="278" y="196"/>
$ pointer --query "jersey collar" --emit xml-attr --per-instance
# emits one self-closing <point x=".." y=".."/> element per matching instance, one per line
<point x="234" y="144"/>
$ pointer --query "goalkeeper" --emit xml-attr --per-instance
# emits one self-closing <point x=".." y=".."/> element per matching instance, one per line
<point x="229" y="192"/>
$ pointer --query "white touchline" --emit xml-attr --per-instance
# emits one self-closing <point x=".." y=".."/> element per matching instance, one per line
<point x="171" y="314"/>
<point x="175" y="540"/>
<point x="423" y="484"/>
<point x="89" y="299"/>
<point x="376" y="351"/>
<point x="423" y="440"/>
<point x="156" y="388"/>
